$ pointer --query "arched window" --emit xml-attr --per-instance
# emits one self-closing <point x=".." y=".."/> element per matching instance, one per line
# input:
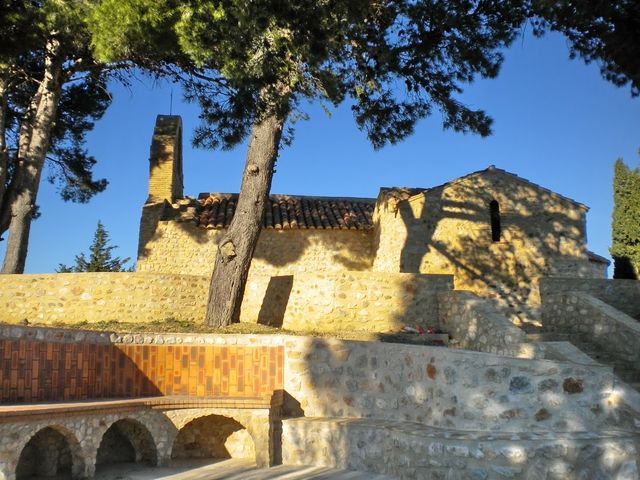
<point x="494" y="211"/>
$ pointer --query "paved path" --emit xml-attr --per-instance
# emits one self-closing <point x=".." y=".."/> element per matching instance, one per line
<point x="228" y="470"/>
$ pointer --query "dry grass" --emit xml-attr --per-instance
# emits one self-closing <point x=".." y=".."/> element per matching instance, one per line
<point x="171" y="325"/>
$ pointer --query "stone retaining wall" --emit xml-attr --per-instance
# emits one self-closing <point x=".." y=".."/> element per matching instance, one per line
<point x="441" y="387"/>
<point x="73" y="297"/>
<point x="413" y="452"/>
<point x="474" y="324"/>
<point x="324" y="302"/>
<point x="576" y="312"/>
<point x="621" y="294"/>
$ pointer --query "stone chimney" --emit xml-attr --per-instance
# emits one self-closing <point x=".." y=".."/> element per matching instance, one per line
<point x="165" y="162"/>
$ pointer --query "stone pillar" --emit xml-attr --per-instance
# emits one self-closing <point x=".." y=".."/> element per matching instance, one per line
<point x="261" y="433"/>
<point x="86" y="468"/>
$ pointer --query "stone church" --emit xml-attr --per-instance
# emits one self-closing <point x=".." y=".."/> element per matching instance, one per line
<point x="495" y="232"/>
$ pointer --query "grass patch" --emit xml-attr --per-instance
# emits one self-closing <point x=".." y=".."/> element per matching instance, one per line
<point x="171" y="325"/>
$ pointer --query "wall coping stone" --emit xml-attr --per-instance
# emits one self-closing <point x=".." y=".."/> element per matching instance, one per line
<point x="620" y="317"/>
<point x="9" y="413"/>
<point x="67" y="335"/>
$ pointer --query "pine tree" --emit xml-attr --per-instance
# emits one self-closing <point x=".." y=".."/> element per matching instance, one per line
<point x="606" y="33"/>
<point x="52" y="91"/>
<point x="625" y="247"/>
<point x="261" y="62"/>
<point x="100" y="257"/>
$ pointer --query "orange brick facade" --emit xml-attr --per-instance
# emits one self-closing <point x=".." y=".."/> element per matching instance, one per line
<point x="46" y="371"/>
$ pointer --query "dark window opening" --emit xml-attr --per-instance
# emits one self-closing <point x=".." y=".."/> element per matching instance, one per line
<point x="494" y="209"/>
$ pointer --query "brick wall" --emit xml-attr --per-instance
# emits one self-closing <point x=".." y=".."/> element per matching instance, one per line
<point x="45" y="371"/>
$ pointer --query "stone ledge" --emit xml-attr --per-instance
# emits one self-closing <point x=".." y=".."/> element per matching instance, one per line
<point x="10" y="413"/>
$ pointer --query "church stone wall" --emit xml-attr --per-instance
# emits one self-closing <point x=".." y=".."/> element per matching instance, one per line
<point x="448" y="230"/>
<point x="181" y="247"/>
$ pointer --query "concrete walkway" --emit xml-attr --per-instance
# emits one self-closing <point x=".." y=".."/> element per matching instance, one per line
<point x="233" y="469"/>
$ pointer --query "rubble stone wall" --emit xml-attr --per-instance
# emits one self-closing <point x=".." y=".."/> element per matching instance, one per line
<point x="441" y="387"/>
<point x="423" y="453"/>
<point x="474" y="324"/>
<point x="623" y="295"/>
<point x="94" y="297"/>
<point x="576" y="312"/>
<point x="371" y="301"/>
<point x="448" y="230"/>
<point x="84" y="433"/>
<point x="305" y="301"/>
<point x="183" y="248"/>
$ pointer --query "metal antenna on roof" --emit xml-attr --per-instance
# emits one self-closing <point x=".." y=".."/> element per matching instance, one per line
<point x="171" y="102"/>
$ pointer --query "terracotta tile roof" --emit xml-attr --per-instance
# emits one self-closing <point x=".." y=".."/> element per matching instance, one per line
<point x="286" y="212"/>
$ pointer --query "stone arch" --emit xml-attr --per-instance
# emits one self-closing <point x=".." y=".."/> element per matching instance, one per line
<point x="51" y="450"/>
<point x="213" y="435"/>
<point x="127" y="440"/>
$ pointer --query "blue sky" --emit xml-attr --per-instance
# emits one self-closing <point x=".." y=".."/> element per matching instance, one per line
<point x="556" y="123"/>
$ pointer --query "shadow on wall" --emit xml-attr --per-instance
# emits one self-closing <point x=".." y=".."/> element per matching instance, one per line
<point x="215" y="437"/>
<point x="55" y="451"/>
<point x="346" y="380"/>
<point x="496" y="236"/>
<point x="276" y="298"/>
<point x="127" y="440"/>
<point x="70" y="371"/>
<point x="278" y="249"/>
<point x="51" y="451"/>
<point x="623" y="268"/>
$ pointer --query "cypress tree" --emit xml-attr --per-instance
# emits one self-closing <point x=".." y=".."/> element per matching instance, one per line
<point x="625" y="246"/>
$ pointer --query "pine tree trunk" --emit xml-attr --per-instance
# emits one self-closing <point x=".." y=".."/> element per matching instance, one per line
<point x="4" y="156"/>
<point x="34" y="142"/>
<point x="236" y="247"/>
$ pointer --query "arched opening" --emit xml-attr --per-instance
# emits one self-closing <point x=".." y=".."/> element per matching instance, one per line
<point x="126" y="441"/>
<point x="214" y="437"/>
<point x="47" y="454"/>
<point x="494" y="211"/>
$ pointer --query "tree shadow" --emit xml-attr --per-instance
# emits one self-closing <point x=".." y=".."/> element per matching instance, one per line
<point x="497" y="235"/>
<point x="278" y="250"/>
<point x="53" y="371"/>
<point x="388" y="409"/>
<point x="52" y="451"/>
<point x="126" y="441"/>
<point x="215" y="437"/>
<point x="275" y="301"/>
